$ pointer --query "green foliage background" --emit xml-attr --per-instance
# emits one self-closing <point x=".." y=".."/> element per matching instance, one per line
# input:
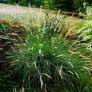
<point x="68" y="5"/>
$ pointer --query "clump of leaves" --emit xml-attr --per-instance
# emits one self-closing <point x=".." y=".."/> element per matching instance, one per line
<point x="38" y="65"/>
<point x="37" y="61"/>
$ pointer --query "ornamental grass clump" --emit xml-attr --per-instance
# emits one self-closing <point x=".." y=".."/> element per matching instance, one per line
<point x="38" y="66"/>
